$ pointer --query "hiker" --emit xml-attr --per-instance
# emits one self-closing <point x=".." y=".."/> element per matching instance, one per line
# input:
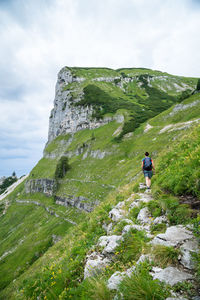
<point x="147" y="166"/>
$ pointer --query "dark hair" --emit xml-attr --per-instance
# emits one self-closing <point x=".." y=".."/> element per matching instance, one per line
<point x="147" y="153"/>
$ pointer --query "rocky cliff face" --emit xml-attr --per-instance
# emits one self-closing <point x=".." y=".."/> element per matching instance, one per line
<point x="45" y="186"/>
<point x="67" y="118"/>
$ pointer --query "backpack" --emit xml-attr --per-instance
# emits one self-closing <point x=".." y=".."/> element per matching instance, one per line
<point x="147" y="164"/>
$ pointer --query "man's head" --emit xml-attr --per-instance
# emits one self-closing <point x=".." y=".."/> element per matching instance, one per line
<point x="146" y="153"/>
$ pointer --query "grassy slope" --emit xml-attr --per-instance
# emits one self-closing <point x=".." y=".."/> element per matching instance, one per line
<point x="116" y="169"/>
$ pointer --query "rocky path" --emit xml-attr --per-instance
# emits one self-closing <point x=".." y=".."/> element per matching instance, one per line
<point x="178" y="237"/>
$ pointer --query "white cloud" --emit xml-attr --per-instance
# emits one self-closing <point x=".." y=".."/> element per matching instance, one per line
<point x="39" y="37"/>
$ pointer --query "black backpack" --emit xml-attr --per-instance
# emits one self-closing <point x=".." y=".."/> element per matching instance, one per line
<point x="147" y="166"/>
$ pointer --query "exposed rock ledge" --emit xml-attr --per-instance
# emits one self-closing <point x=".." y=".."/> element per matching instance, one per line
<point x="45" y="186"/>
<point x="80" y="202"/>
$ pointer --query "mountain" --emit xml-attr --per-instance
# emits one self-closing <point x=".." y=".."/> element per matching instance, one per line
<point x="102" y="122"/>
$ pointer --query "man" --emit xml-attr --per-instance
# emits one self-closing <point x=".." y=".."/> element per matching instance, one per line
<point x="147" y="166"/>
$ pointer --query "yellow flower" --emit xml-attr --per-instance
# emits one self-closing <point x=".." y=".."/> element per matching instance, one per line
<point x="53" y="283"/>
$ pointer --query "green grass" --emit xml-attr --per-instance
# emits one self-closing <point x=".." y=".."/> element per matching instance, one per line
<point x="93" y="178"/>
<point x="140" y="286"/>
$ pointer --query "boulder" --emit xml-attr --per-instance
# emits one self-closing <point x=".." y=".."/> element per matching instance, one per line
<point x="173" y="236"/>
<point x="160" y="220"/>
<point x="95" y="264"/>
<point x="109" y="243"/>
<point x="144" y="216"/>
<point x="115" y="280"/>
<point x="116" y="214"/>
<point x="170" y="275"/>
<point x="187" y="249"/>
<point x="145" y="197"/>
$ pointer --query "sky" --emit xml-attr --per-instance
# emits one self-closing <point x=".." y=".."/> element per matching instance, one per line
<point x="39" y="37"/>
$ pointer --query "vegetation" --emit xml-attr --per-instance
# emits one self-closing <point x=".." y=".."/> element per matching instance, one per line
<point x="62" y="167"/>
<point x="8" y="181"/>
<point x="140" y="286"/>
<point x="198" y="85"/>
<point x="48" y="251"/>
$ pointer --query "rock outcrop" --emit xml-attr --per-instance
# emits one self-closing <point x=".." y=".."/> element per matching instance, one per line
<point x="79" y="202"/>
<point x="177" y="236"/>
<point x="66" y="117"/>
<point x="45" y="186"/>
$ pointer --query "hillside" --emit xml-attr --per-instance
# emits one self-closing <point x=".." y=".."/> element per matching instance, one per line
<point x="103" y="121"/>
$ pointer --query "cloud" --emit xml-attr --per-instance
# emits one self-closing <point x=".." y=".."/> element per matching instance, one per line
<point x="39" y="37"/>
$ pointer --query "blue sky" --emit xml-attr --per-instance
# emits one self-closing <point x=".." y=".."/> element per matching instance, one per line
<point x="39" y="37"/>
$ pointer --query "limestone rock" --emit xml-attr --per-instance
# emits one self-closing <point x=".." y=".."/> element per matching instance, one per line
<point x="109" y="243"/>
<point x="45" y="186"/>
<point x="95" y="264"/>
<point x="117" y="277"/>
<point x="145" y="197"/>
<point x="127" y="228"/>
<point x="159" y="220"/>
<point x="144" y="216"/>
<point x="115" y="280"/>
<point x="171" y="275"/>
<point x="68" y="118"/>
<point x="176" y="298"/>
<point x="108" y="228"/>
<point x="116" y="214"/>
<point x="79" y="202"/>
<point x="173" y="236"/>
<point x="187" y="249"/>
<point x="130" y="271"/>
<point x="128" y="221"/>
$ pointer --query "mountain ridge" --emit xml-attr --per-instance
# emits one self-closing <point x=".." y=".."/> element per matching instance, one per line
<point x="102" y="168"/>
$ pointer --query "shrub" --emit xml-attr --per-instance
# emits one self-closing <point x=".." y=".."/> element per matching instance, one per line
<point x="97" y="290"/>
<point x="141" y="286"/>
<point x="177" y="213"/>
<point x="7" y="182"/>
<point x="164" y="256"/>
<point x="158" y="228"/>
<point x="62" y="167"/>
<point x="131" y="248"/>
<point x="154" y="208"/>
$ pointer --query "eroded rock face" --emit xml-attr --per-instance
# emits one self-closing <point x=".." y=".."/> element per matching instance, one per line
<point x="66" y="117"/>
<point x="45" y="186"/>
<point x="79" y="202"/>
<point x="95" y="264"/>
<point x="110" y="243"/>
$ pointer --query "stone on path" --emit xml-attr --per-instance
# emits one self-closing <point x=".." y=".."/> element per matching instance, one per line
<point x="144" y="216"/>
<point x="109" y="243"/>
<point x="170" y="275"/>
<point x="173" y="236"/>
<point x="116" y="214"/>
<point x="187" y="249"/>
<point x="115" y="280"/>
<point x="95" y="264"/>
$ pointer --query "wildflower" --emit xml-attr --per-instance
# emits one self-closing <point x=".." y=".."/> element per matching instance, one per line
<point x="53" y="283"/>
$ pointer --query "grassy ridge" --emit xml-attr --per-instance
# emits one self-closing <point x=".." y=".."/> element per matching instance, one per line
<point x="66" y="258"/>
